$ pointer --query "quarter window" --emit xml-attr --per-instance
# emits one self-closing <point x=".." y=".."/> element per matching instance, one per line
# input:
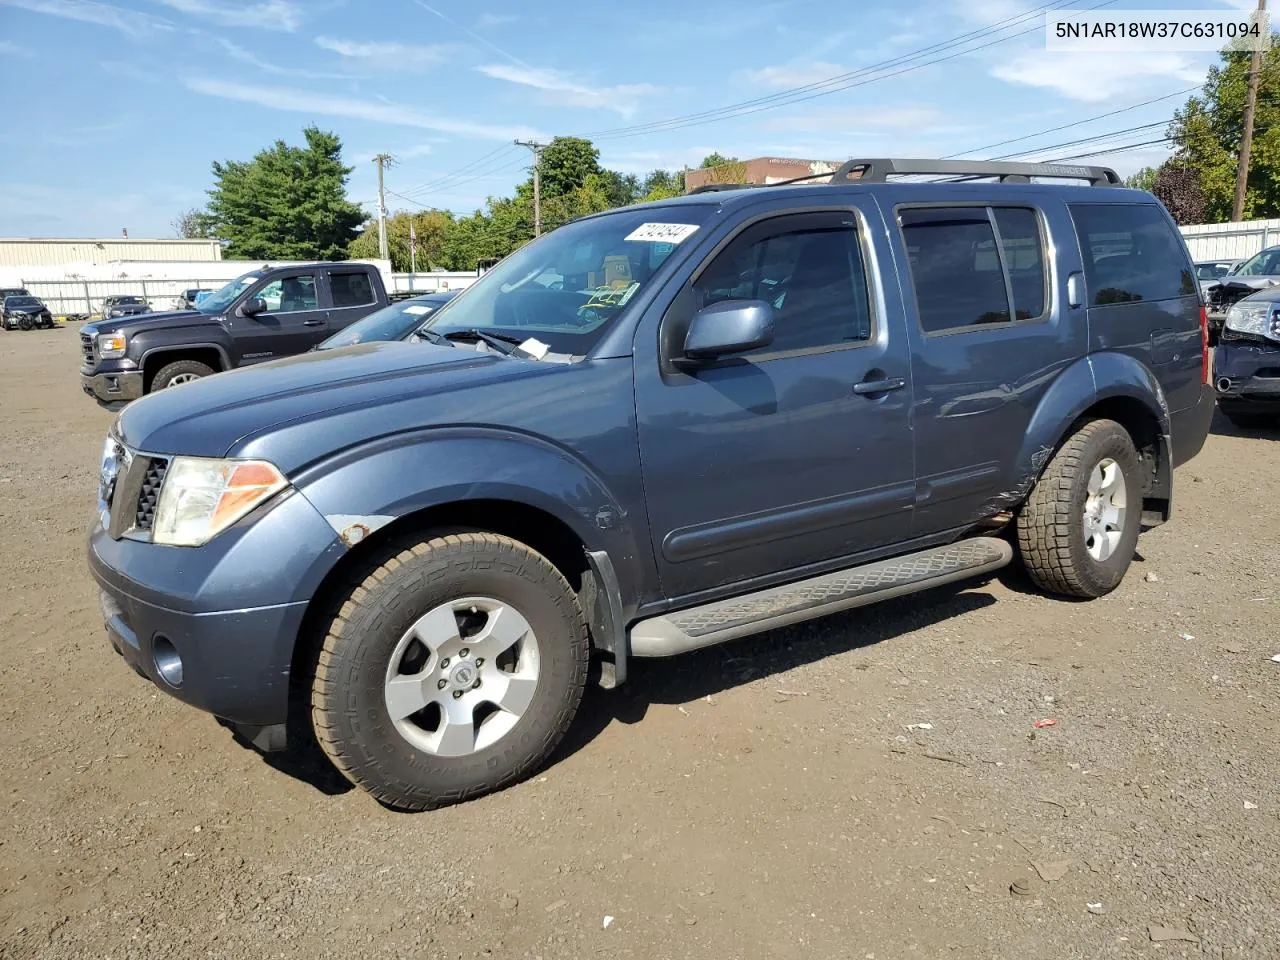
<point x="1131" y="253"/>
<point x="812" y="275"/>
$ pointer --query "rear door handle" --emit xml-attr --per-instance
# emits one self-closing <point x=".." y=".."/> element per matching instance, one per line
<point x="313" y="323"/>
<point x="879" y="386"/>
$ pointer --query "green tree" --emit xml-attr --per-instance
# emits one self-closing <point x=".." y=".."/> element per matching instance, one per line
<point x="1206" y="133"/>
<point x="287" y="203"/>
<point x="662" y="185"/>
<point x="1179" y="188"/>
<point x="566" y="163"/>
<point x="430" y="229"/>
<point x="716" y="160"/>
<point x="1144" y="179"/>
<point x="193" y="224"/>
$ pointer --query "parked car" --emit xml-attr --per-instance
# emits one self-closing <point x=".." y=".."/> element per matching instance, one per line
<point x="6" y="292"/>
<point x="124" y="305"/>
<point x="188" y="299"/>
<point x="393" y="322"/>
<point x="734" y="410"/>
<point x="259" y="316"/>
<point x="1258" y="272"/>
<point x="25" y="313"/>
<point x="1246" y="363"/>
<point x="1209" y="272"/>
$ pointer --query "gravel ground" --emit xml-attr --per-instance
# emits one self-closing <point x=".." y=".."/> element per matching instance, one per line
<point x="868" y="786"/>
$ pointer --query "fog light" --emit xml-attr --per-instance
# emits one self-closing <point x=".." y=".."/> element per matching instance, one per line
<point x="168" y="663"/>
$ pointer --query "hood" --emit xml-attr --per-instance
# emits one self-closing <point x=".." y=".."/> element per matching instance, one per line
<point x="17" y="311"/>
<point x="210" y="417"/>
<point x="1269" y="294"/>
<point x="151" y="321"/>
<point x="1248" y="283"/>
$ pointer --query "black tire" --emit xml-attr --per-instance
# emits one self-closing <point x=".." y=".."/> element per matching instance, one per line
<point x="1050" y="524"/>
<point x="180" y="368"/>
<point x="348" y="708"/>
<point x="25" y="323"/>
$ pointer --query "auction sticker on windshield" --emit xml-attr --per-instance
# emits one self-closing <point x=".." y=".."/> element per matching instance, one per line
<point x="662" y="232"/>
<point x="417" y="310"/>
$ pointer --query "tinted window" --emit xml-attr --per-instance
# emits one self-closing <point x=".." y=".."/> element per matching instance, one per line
<point x="1023" y="248"/>
<point x="290" y="294"/>
<point x="1264" y="264"/>
<point x="1130" y="253"/>
<point x="955" y="268"/>
<point x="813" y="277"/>
<point x="351" y="289"/>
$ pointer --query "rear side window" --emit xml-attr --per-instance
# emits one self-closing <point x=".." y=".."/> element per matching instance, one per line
<point x="351" y="289"/>
<point x="1131" y="253"/>
<point x="975" y="266"/>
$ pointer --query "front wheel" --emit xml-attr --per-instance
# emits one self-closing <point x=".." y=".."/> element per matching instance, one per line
<point x="1078" y="528"/>
<point x="179" y="372"/>
<point x="25" y="323"/>
<point x="452" y="670"/>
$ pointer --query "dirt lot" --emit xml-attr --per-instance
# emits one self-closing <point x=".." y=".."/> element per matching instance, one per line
<point x="779" y="796"/>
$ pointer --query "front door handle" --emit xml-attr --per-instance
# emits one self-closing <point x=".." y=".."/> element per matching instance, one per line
<point x="879" y="386"/>
<point x="313" y="323"/>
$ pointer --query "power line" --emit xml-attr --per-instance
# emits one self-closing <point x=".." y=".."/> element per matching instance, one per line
<point x="860" y="77"/>
<point x="504" y="149"/>
<point x="1085" y="141"/>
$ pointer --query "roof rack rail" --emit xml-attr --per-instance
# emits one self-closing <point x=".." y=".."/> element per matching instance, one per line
<point x="879" y="171"/>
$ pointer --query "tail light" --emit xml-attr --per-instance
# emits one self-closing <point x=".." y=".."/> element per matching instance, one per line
<point x="1204" y="345"/>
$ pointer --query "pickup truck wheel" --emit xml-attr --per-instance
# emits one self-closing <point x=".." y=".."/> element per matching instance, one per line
<point x="1079" y="526"/>
<point x="180" y="371"/>
<point x="451" y="670"/>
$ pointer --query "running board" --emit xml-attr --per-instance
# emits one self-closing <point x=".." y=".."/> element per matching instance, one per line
<point x="736" y="617"/>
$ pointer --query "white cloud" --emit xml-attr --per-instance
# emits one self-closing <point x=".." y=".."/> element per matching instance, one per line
<point x="403" y="153"/>
<point x="388" y="55"/>
<point x="237" y="52"/>
<point x="1096" y="76"/>
<point x="131" y="22"/>
<point x="266" y="14"/>
<point x="561" y="89"/>
<point x="303" y="101"/>
<point x="786" y="76"/>
<point x="489" y="20"/>
<point x="852" y="120"/>
<point x="13" y="50"/>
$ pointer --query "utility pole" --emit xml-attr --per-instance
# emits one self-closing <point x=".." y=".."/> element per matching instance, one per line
<point x="1246" y="141"/>
<point x="537" y="149"/>
<point x="382" y="160"/>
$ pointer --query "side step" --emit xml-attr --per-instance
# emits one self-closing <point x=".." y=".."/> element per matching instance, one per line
<point x="736" y="617"/>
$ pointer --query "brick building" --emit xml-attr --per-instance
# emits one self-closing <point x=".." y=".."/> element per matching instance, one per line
<point x="759" y="170"/>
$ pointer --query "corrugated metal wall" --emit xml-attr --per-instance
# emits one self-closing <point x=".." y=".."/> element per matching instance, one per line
<point x="1230" y="241"/>
<point x="21" y="252"/>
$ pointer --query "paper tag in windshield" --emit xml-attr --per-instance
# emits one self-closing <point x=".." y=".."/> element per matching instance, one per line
<point x="417" y="310"/>
<point x="662" y="232"/>
<point x="630" y="292"/>
<point x="535" y="348"/>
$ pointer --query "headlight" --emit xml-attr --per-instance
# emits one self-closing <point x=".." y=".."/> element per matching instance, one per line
<point x="200" y="497"/>
<point x="1252" y="317"/>
<point x="111" y="345"/>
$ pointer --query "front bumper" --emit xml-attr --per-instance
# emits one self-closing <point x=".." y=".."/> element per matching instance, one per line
<point x="228" y="614"/>
<point x="112" y="389"/>
<point x="1248" y="373"/>
<point x="14" y="321"/>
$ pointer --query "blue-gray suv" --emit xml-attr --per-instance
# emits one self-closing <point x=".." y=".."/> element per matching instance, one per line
<point x="648" y="431"/>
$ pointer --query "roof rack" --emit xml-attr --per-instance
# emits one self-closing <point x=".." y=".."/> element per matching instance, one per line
<point x="879" y="171"/>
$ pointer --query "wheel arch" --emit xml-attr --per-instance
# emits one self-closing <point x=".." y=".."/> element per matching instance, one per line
<point x="210" y="354"/>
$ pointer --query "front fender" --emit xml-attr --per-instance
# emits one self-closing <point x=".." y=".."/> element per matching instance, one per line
<point x="365" y="488"/>
<point x="1088" y="381"/>
<point x="151" y="342"/>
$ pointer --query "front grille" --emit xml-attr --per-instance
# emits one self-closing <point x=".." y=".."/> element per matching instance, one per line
<point x="150" y="493"/>
<point x="86" y="348"/>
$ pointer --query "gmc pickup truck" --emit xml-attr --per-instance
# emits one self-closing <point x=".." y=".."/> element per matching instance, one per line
<point x="263" y="315"/>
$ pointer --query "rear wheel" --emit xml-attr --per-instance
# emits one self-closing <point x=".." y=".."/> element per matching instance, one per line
<point x="1078" y="528"/>
<point x="452" y="669"/>
<point x="179" y="372"/>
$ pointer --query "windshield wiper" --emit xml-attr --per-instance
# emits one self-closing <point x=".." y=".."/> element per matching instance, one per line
<point x="499" y="341"/>
<point x="423" y="333"/>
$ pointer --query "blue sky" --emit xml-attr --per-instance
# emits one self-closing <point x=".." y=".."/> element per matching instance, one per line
<point x="115" y="111"/>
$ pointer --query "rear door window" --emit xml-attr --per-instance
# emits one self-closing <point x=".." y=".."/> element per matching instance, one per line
<point x="350" y="288"/>
<point x="955" y="267"/>
<point x="1131" y="253"/>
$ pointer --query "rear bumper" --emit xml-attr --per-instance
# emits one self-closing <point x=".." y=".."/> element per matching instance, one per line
<point x="1247" y="373"/>
<point x="1190" y="427"/>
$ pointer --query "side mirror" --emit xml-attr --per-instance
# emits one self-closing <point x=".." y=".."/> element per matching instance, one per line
<point x="730" y="326"/>
<point x="253" y="306"/>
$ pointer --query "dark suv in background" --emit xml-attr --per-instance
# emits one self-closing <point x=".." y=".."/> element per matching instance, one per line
<point x="648" y="431"/>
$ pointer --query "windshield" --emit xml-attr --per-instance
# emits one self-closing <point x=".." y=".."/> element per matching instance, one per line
<point x="565" y="288"/>
<point x="22" y="302"/>
<point x="223" y="297"/>
<point x="1264" y="264"/>
<point x="389" y="323"/>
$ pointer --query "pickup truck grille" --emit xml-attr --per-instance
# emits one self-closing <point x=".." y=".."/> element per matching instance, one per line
<point x="150" y="493"/>
<point x="86" y="348"/>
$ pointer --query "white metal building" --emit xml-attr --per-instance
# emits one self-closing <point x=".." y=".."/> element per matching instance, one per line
<point x="23" y="252"/>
